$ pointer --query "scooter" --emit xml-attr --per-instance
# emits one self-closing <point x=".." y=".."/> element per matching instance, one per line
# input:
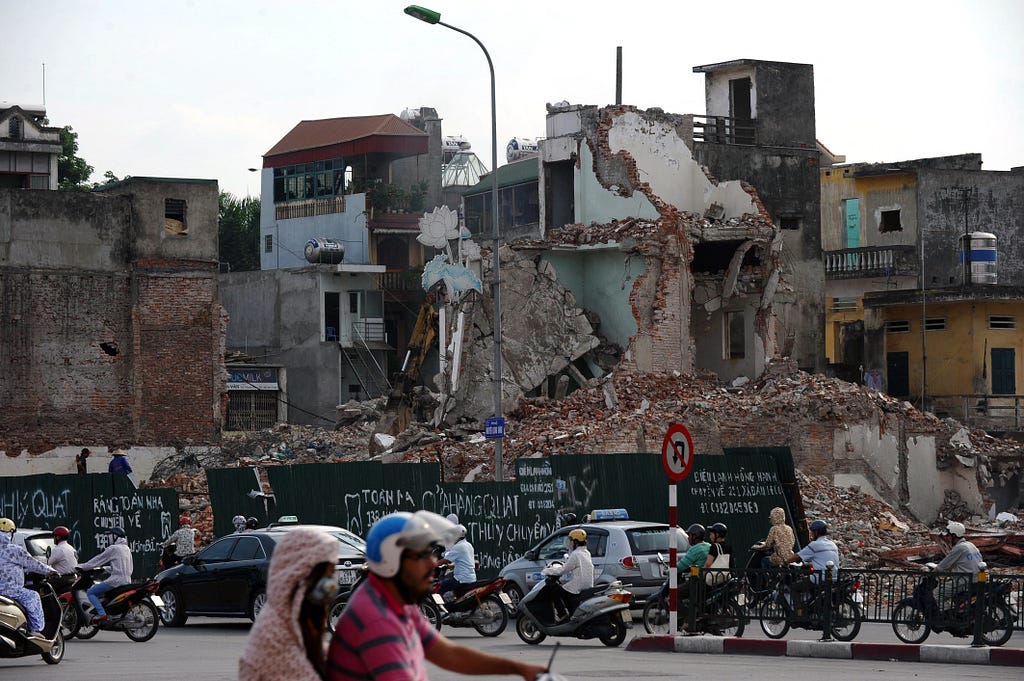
<point x="602" y="613"/>
<point x="131" y="608"/>
<point x="14" y="638"/>
<point x="484" y="606"/>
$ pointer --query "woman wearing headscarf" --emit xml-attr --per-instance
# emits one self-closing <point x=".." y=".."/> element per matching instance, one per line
<point x="780" y="542"/>
<point x="286" y="643"/>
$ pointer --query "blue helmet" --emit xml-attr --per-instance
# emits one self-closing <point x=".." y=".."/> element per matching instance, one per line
<point x="819" y="526"/>
<point x="396" y="532"/>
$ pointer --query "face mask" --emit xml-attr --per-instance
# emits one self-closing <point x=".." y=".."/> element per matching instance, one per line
<point x="323" y="592"/>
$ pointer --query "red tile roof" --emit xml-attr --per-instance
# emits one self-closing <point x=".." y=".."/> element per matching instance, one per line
<point x="334" y="131"/>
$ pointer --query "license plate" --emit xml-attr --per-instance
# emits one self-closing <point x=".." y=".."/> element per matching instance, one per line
<point x="347" y="577"/>
<point x="157" y="601"/>
<point x="627" y="616"/>
<point x="438" y="598"/>
<point x="505" y="599"/>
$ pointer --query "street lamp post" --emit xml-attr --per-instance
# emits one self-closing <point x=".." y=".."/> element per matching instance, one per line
<point x="432" y="17"/>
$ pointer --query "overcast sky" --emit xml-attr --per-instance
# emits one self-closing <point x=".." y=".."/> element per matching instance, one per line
<point x="203" y="88"/>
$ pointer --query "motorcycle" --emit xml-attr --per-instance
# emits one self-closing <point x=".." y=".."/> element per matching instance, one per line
<point x="427" y="605"/>
<point x="602" y="613"/>
<point x="798" y="602"/>
<point x="721" y="614"/>
<point x="916" y="616"/>
<point x="14" y="639"/>
<point x="483" y="606"/>
<point x="131" y="608"/>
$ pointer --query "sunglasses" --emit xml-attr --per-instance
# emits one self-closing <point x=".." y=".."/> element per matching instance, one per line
<point x="418" y="555"/>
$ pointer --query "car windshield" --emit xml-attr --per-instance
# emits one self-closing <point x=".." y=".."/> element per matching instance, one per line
<point x="648" y="540"/>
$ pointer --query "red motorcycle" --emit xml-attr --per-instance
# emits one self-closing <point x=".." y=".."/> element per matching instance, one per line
<point x="131" y="608"/>
<point x="484" y="606"/>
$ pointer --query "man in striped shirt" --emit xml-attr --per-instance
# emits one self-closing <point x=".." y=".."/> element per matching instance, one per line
<point x="382" y="636"/>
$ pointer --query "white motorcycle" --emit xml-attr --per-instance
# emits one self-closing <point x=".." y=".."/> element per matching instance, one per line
<point x="602" y="613"/>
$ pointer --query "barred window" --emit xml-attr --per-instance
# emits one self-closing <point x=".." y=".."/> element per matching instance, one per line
<point x="897" y="326"/>
<point x="1002" y="322"/>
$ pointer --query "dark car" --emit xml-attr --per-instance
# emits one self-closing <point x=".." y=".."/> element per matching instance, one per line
<point x="229" y="577"/>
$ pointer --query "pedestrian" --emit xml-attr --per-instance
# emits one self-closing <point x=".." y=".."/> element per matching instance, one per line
<point x="119" y="464"/>
<point x="286" y="642"/>
<point x="82" y="460"/>
<point x="382" y="635"/>
<point x="183" y="539"/>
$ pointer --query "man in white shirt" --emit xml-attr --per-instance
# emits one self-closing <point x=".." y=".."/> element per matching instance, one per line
<point x="63" y="558"/>
<point x="462" y="558"/>
<point x="580" y="567"/>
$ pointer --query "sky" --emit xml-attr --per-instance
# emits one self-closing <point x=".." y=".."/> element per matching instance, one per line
<point x="203" y="88"/>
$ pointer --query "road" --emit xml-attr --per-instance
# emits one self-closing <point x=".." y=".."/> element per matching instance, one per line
<point x="208" y="649"/>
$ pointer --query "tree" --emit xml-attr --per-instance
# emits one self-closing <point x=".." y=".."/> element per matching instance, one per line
<point x="238" y="232"/>
<point x="72" y="170"/>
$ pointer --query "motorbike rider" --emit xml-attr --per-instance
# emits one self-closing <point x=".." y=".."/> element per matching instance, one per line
<point x="251" y="523"/>
<point x="117" y="559"/>
<point x="15" y="561"/>
<point x="819" y="552"/>
<point x="717" y="533"/>
<point x="779" y="543"/>
<point x="382" y="634"/>
<point x="183" y="539"/>
<point x="697" y="554"/>
<point x="462" y="558"/>
<point x="63" y="558"/>
<point x="580" y="566"/>
<point x="239" y="522"/>
<point x="963" y="556"/>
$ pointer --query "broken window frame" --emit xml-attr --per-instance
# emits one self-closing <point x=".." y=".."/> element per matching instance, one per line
<point x="886" y="222"/>
<point x="177" y="210"/>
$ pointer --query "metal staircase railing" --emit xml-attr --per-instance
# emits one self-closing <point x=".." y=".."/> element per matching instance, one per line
<point x="368" y="371"/>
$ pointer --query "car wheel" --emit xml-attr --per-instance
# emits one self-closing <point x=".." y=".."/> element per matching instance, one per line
<point x="56" y="652"/>
<point x="141" y="621"/>
<point x="529" y="631"/>
<point x="256" y="603"/>
<point x="515" y="594"/>
<point x="335" y="611"/>
<point x="493" y="616"/>
<point x="173" y="612"/>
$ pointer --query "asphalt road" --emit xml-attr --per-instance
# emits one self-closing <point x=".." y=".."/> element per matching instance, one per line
<point x="208" y="649"/>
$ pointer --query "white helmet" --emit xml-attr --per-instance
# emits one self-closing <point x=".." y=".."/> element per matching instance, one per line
<point x="956" y="529"/>
<point x="461" y="532"/>
<point x="396" y="532"/>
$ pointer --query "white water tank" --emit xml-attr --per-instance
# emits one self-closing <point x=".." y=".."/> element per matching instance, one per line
<point x="984" y="263"/>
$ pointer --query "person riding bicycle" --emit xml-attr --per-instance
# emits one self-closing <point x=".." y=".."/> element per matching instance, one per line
<point x="580" y="566"/>
<point x="463" y="561"/>
<point x="963" y="556"/>
<point x="117" y="558"/>
<point x="15" y="561"/>
<point x="382" y="635"/>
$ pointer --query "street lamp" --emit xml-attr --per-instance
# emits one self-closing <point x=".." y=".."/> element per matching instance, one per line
<point x="431" y="17"/>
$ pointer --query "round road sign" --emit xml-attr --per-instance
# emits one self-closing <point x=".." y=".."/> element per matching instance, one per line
<point x="677" y="452"/>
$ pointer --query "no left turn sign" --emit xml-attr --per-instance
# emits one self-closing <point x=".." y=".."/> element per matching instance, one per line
<point x="677" y="452"/>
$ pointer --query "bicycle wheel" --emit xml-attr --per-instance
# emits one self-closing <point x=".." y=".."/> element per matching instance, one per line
<point x="728" y="622"/>
<point x="909" y="624"/>
<point x="656" y="616"/>
<point x="773" y="618"/>
<point x="998" y="624"/>
<point x="846" y="617"/>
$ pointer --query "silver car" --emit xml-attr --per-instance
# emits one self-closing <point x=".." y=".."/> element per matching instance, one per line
<point x="623" y="550"/>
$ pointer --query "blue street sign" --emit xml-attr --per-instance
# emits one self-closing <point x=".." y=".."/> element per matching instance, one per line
<point x="494" y="427"/>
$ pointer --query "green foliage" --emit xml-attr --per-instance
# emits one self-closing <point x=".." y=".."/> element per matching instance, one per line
<point x="109" y="178"/>
<point x="72" y="170"/>
<point x="238" y="232"/>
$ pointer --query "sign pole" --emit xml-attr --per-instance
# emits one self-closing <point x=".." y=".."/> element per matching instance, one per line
<point x="673" y="579"/>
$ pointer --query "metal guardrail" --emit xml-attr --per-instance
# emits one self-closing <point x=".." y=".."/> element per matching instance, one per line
<point x="879" y="595"/>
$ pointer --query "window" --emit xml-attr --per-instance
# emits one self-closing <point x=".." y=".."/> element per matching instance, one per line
<point x="268" y="243"/>
<point x="247" y="548"/>
<point x="1002" y="322"/>
<point x="897" y="326"/>
<point x="935" y="324"/>
<point x="1004" y="380"/>
<point x="217" y="551"/>
<point x="302" y="181"/>
<point x="735" y="338"/>
<point x="844" y="303"/>
<point x="890" y="221"/>
<point x="174" y="217"/>
<point x="789" y="222"/>
<point x="14" y="129"/>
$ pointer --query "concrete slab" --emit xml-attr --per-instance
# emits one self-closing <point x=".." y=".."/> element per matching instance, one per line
<point x="954" y="654"/>
<point x="834" y="649"/>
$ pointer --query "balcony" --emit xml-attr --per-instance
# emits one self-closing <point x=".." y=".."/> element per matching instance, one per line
<point x="871" y="261"/>
<point x="724" y="130"/>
